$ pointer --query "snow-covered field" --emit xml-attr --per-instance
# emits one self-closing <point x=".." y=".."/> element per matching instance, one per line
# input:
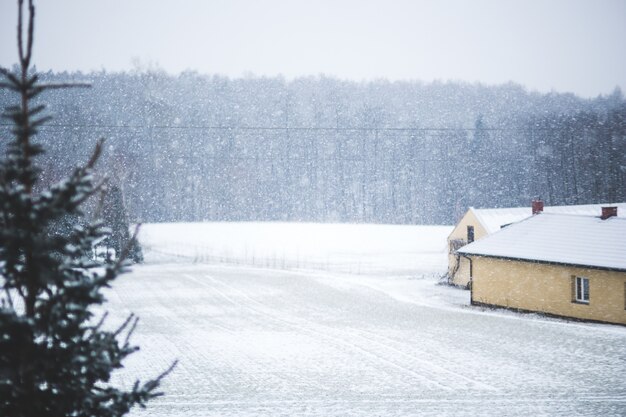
<point x="337" y="247"/>
<point x="347" y="320"/>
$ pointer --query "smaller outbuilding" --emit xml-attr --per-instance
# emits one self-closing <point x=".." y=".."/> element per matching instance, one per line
<point x="563" y="265"/>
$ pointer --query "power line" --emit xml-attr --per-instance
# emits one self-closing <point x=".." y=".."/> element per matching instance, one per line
<point x="295" y="128"/>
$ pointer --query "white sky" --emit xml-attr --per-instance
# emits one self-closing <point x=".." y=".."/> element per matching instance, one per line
<point x="561" y="45"/>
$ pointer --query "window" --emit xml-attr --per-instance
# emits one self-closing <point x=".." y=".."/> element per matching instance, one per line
<point x="581" y="290"/>
<point x="470" y="234"/>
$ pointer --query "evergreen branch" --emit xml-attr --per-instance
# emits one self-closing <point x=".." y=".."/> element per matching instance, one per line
<point x="168" y="370"/>
<point x="20" y="291"/>
<point x="8" y="86"/>
<point x="101" y="322"/>
<point x="57" y="86"/>
<point x="31" y="32"/>
<point x="12" y="110"/>
<point x="9" y="297"/>
<point x="98" y="187"/>
<point x="131" y="331"/>
<point x="30" y="82"/>
<point x="96" y="153"/>
<point x="124" y="325"/>
<point x="20" y="31"/>
<point x="153" y="384"/>
<point x="15" y="82"/>
<point x="66" y="196"/>
<point x="35" y="110"/>
<point x="38" y="122"/>
<point x="59" y="192"/>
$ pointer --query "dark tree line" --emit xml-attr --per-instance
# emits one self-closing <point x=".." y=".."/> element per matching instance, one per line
<point x="193" y="147"/>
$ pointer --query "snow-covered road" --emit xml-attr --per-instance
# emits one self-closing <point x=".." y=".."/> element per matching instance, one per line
<point x="254" y="341"/>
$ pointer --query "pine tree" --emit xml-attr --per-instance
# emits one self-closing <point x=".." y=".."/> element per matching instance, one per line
<point x="56" y="358"/>
<point x="115" y="217"/>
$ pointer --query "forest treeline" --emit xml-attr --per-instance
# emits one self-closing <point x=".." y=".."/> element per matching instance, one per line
<point x="191" y="147"/>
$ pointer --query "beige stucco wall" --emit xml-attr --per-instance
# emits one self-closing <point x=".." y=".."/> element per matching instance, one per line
<point x="548" y="288"/>
<point x="462" y="275"/>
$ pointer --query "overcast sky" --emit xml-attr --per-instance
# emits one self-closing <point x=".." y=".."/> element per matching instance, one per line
<point x="563" y="45"/>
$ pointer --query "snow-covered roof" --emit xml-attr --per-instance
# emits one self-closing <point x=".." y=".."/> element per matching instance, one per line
<point x="559" y="238"/>
<point x="494" y="218"/>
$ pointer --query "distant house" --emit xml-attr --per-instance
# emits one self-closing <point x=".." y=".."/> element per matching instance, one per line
<point x="478" y="223"/>
<point x="559" y="264"/>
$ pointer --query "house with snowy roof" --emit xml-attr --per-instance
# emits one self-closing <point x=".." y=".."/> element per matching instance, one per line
<point x="563" y="265"/>
<point x="478" y="223"/>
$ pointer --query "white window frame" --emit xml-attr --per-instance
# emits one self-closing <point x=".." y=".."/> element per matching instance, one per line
<point x="581" y="290"/>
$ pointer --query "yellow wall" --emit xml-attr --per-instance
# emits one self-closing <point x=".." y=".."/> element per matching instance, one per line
<point x="548" y="288"/>
<point x="462" y="275"/>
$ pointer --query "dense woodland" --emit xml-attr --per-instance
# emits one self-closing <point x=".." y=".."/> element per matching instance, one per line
<point x="192" y="147"/>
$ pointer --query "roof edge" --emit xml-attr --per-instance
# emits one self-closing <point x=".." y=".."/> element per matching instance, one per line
<point x="479" y="217"/>
<point x="537" y="261"/>
<point x="473" y="210"/>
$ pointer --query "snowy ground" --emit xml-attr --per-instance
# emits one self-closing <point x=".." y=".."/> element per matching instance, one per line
<point x="348" y="338"/>
<point x="337" y="247"/>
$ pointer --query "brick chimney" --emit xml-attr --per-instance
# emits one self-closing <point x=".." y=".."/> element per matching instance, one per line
<point x="537" y="206"/>
<point x="608" y="212"/>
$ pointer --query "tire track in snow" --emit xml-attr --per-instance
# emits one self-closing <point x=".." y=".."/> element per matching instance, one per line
<point x="337" y="341"/>
<point x="417" y="355"/>
<point x="386" y="405"/>
<point x="191" y="401"/>
<point x="437" y="369"/>
<point x="370" y="338"/>
<point x="251" y="362"/>
<point x="190" y="350"/>
<point x="330" y="333"/>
